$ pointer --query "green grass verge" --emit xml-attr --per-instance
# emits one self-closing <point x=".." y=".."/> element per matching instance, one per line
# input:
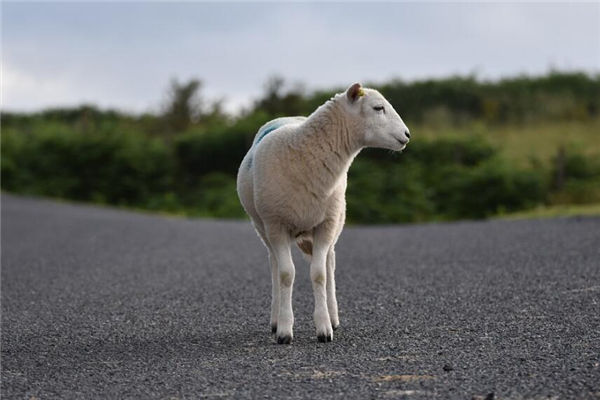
<point x="526" y="142"/>
<point x="567" y="210"/>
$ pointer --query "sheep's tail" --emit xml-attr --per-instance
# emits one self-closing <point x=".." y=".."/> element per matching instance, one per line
<point x="305" y="243"/>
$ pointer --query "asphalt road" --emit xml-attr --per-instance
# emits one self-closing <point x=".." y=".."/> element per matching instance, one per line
<point x="99" y="303"/>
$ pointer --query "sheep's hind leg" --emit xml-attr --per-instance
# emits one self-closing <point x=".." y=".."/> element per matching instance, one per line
<point x="260" y="229"/>
<point x="274" y="292"/>
<point x="280" y="242"/>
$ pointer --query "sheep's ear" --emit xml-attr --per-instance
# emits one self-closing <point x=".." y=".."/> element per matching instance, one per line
<point x="354" y="92"/>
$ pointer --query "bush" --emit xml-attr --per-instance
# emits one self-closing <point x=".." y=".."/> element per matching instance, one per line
<point x="395" y="193"/>
<point x="576" y="178"/>
<point x="218" y="197"/>
<point x="446" y="178"/>
<point x="217" y="150"/>
<point x="490" y="188"/>
<point x="105" y="156"/>
<point x="116" y="168"/>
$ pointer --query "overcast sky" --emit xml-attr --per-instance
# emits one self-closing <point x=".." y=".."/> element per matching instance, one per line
<point x="122" y="55"/>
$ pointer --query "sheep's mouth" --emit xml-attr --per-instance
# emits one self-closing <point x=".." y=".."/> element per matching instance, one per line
<point x="403" y="143"/>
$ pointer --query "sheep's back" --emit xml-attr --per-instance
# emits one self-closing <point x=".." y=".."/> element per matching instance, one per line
<point x="273" y="125"/>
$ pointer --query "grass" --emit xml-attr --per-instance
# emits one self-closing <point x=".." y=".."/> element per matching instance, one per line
<point x="524" y="143"/>
<point x="563" y="210"/>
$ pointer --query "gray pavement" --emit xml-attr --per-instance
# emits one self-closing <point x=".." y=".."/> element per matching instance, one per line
<point x="100" y="303"/>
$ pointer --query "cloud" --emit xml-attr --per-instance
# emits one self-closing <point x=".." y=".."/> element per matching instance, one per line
<point x="22" y="90"/>
<point x="124" y="54"/>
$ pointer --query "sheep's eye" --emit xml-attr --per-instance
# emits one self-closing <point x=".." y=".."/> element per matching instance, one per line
<point x="379" y="108"/>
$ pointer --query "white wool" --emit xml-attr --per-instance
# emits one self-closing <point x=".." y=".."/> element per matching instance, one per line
<point x="292" y="184"/>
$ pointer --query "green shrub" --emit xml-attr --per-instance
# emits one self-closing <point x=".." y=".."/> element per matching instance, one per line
<point x="577" y="191"/>
<point x="222" y="150"/>
<point x="576" y="178"/>
<point x="446" y="178"/>
<point x="487" y="189"/>
<point x="109" y="157"/>
<point x="395" y="193"/>
<point x="219" y="196"/>
<point x="116" y="168"/>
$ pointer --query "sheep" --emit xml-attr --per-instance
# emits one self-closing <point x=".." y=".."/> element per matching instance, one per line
<point x="292" y="184"/>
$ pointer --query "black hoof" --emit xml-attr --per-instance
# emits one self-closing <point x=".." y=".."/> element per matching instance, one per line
<point x="273" y="328"/>
<point x="284" y="339"/>
<point x="335" y="327"/>
<point x="324" y="338"/>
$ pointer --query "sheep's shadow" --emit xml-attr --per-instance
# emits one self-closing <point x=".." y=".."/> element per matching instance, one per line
<point x="218" y="343"/>
<point x="80" y="348"/>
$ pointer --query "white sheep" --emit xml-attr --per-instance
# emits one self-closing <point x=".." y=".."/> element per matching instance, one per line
<point x="292" y="184"/>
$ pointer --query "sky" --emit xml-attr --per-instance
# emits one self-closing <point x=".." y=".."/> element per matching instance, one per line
<point x="124" y="54"/>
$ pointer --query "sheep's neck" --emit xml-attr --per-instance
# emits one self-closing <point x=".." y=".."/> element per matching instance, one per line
<point x="330" y="143"/>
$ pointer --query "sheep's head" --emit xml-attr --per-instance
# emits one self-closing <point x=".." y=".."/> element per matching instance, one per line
<point x="377" y="121"/>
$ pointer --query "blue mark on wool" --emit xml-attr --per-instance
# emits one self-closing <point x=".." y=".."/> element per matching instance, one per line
<point x="275" y="124"/>
<point x="270" y="127"/>
<point x="267" y="131"/>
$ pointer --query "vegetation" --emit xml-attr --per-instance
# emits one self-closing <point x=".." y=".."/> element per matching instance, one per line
<point x="479" y="149"/>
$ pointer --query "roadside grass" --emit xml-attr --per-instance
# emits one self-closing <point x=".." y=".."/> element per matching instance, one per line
<point x="525" y="144"/>
<point x="563" y="210"/>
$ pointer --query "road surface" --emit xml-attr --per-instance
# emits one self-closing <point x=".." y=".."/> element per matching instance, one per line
<point x="101" y="303"/>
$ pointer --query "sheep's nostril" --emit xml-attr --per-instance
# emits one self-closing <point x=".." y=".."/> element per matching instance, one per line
<point x="407" y="133"/>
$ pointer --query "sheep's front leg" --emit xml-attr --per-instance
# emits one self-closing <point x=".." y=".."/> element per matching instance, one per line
<point x="332" y="306"/>
<point x="280" y="243"/>
<point x="318" y="277"/>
